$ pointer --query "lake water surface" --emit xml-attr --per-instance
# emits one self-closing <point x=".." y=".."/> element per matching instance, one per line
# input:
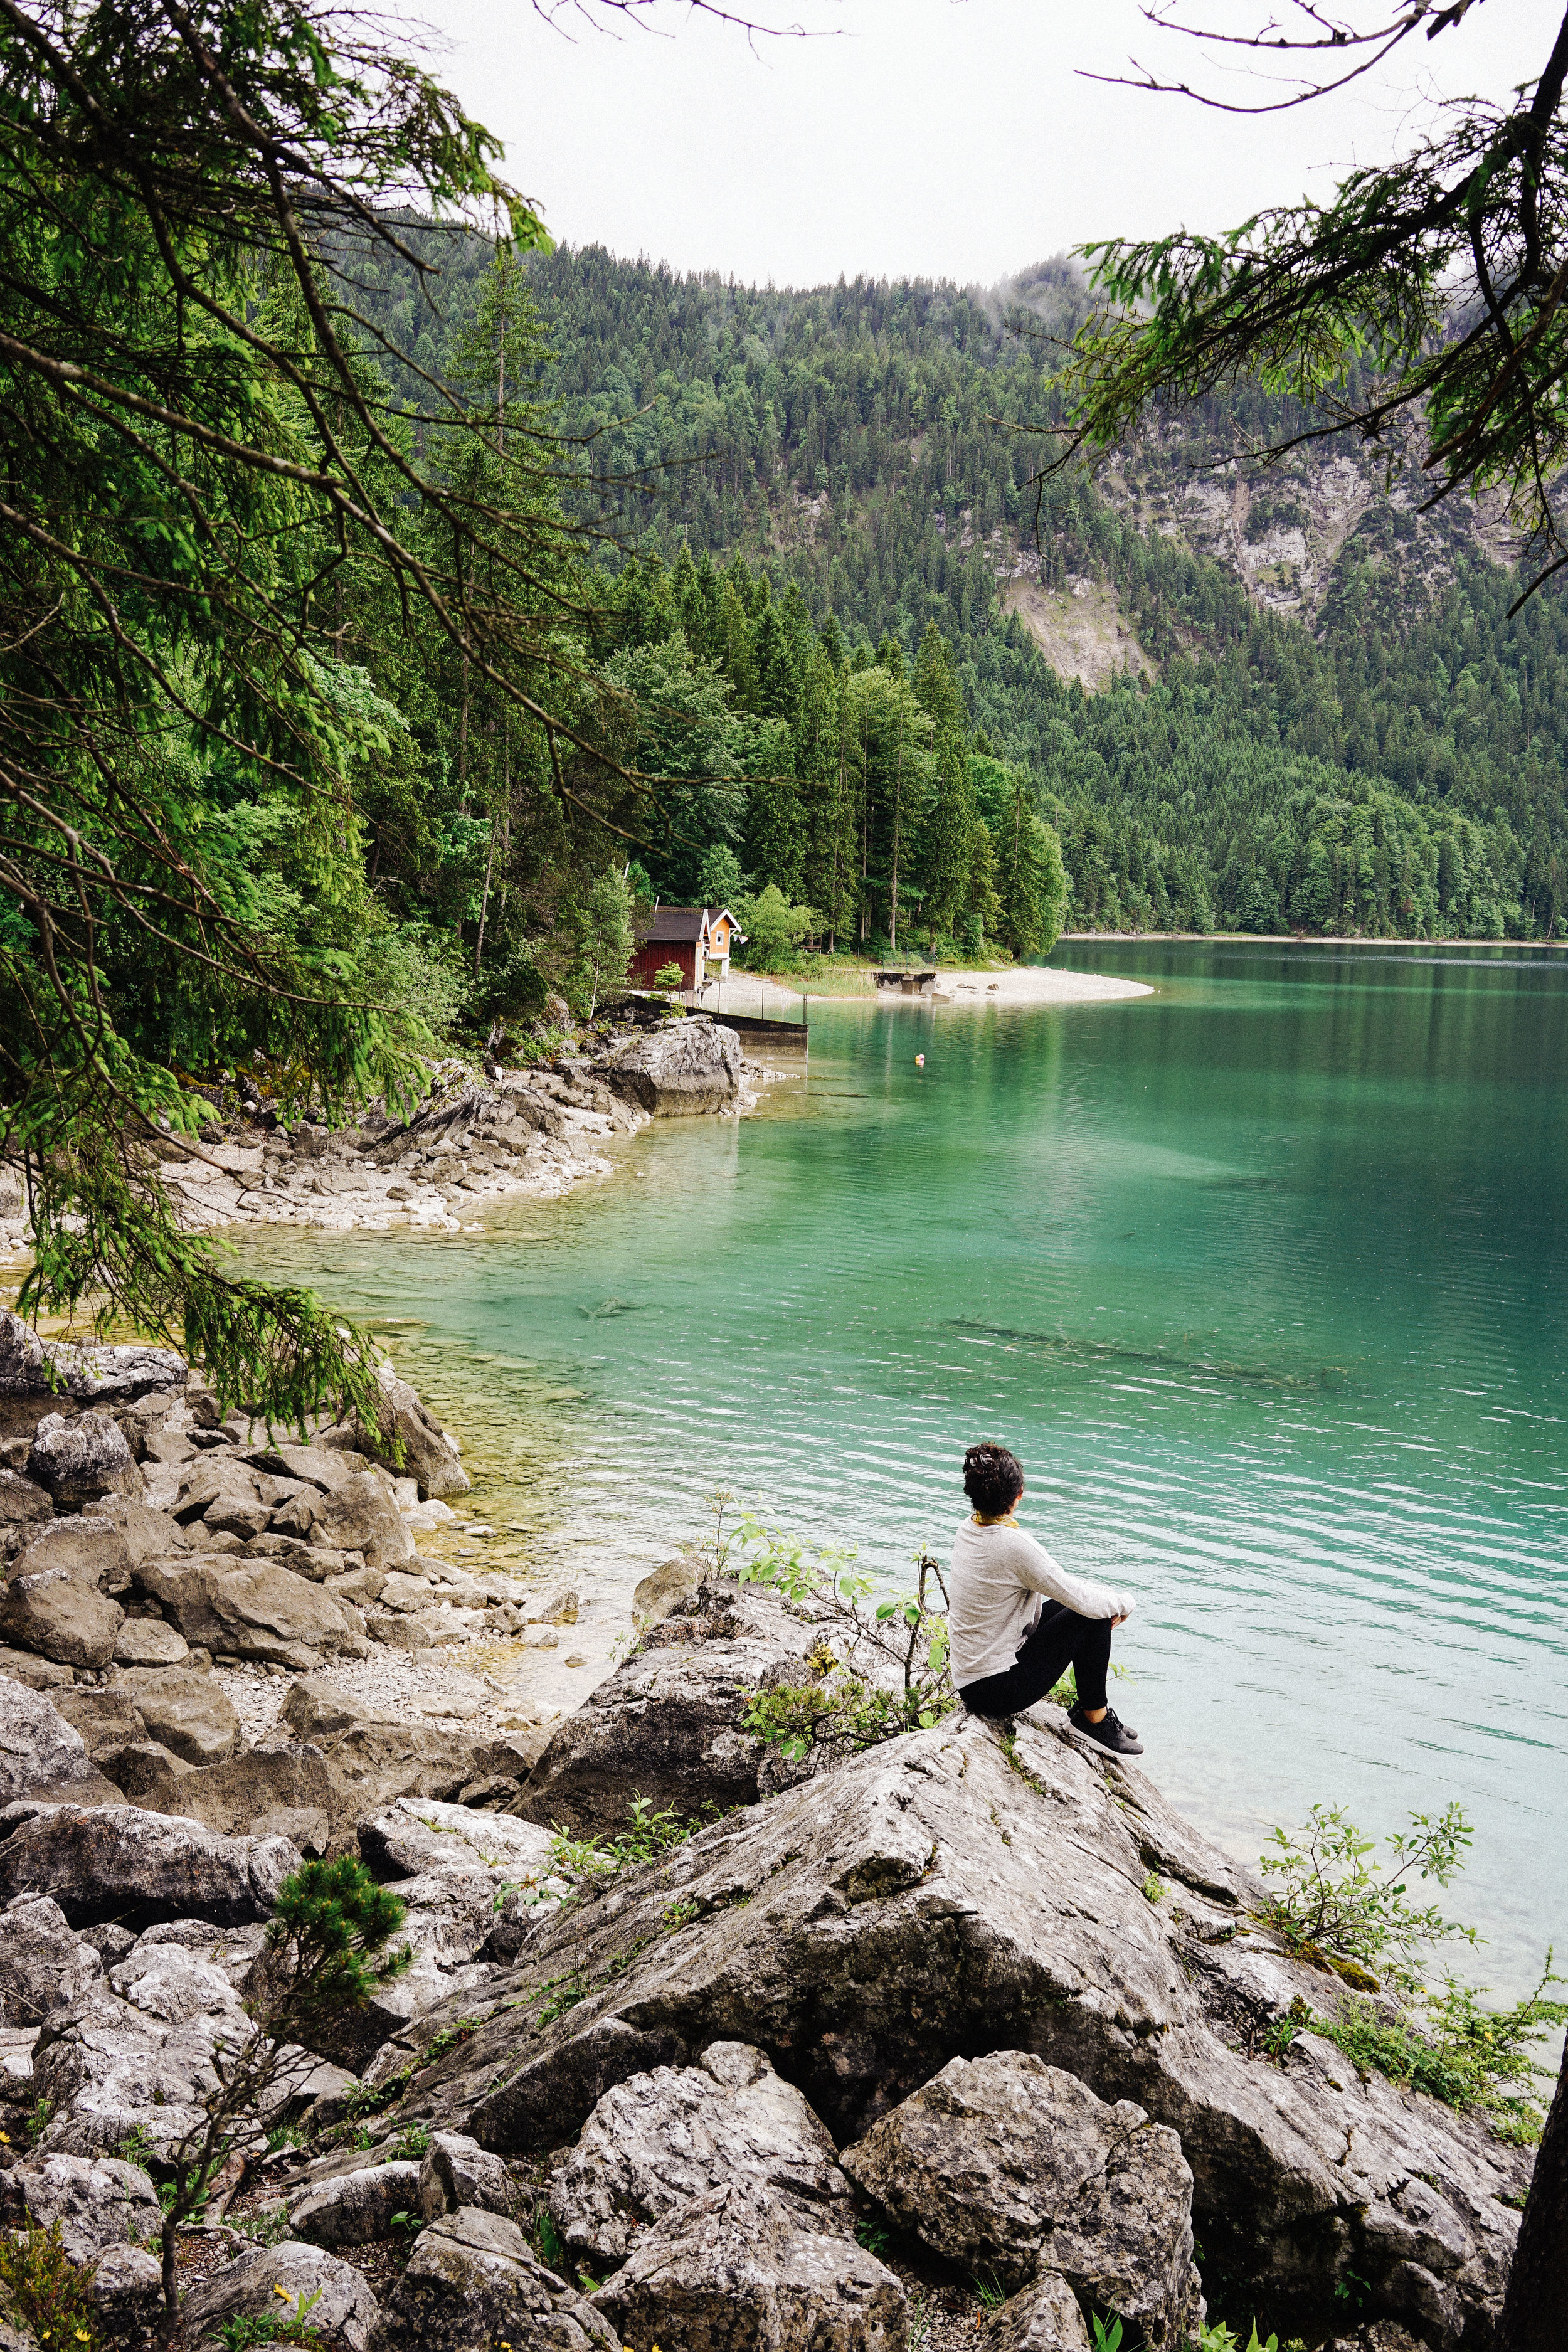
<point x="1265" y="1278"/>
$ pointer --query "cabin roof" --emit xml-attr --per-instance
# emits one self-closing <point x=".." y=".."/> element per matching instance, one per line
<point x="682" y="922"/>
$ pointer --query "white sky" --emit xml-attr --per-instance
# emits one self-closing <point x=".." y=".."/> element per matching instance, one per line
<point x="931" y="137"/>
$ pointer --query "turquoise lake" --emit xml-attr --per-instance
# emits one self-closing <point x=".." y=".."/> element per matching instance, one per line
<point x="1263" y="1276"/>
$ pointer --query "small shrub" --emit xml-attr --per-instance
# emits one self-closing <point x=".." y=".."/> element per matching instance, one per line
<point x="1465" y="2054"/>
<point x="285" y="2326"/>
<point x="649" y="1835"/>
<point x="871" y="2236"/>
<point x="409" y="2146"/>
<point x="48" y="2292"/>
<point x="549" y="2243"/>
<point x="990" y="2290"/>
<point x="1154" y="1887"/>
<point x="270" y="2227"/>
<point x="1334" y="1902"/>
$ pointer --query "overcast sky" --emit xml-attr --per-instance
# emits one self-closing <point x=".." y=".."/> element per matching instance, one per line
<point x="934" y="138"/>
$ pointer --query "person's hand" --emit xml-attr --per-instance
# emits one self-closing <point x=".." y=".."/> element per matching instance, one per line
<point x="1117" y="1621"/>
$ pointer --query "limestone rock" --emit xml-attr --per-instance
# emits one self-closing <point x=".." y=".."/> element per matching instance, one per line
<point x="446" y="1924"/>
<point x="346" y="1775"/>
<point x="24" y="1507"/>
<point x="261" y="1611"/>
<point x="692" y="1066"/>
<point x="666" y="1723"/>
<point x="657" y="2140"/>
<point x="357" y="2206"/>
<point x="1005" y="2164"/>
<point x="666" y="1588"/>
<point x="148" y="1642"/>
<point x="190" y="1714"/>
<point x="145" y="1770"/>
<point x="415" y="1833"/>
<point x="314" y="1710"/>
<point x="357" y="1515"/>
<point x="107" y="1719"/>
<point x="404" y="1425"/>
<point x="993" y="1892"/>
<point x="80" y="1461"/>
<point x="93" y="1549"/>
<point x="472" y="2282"/>
<point x="37" y="1674"/>
<point x="127" y="2292"/>
<point x="738" y="2267"/>
<point x="38" y="1749"/>
<point x="345" y="2307"/>
<point x="55" y="1614"/>
<point x="24" y="1368"/>
<point x="42" y="1961"/>
<point x="135" y="2053"/>
<point x="458" y="2172"/>
<point x="1043" y="2317"/>
<point x="117" y="1862"/>
<point x="98" y="2202"/>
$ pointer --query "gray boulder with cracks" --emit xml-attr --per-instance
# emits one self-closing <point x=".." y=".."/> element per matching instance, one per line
<point x="1004" y="2164"/>
<point x="655" y="2142"/>
<point x="959" y="1892"/>
<point x="472" y="2282"/>
<point x="345" y="2308"/>
<point x="117" y="1862"/>
<point x="741" y="2266"/>
<point x="690" y="1066"/>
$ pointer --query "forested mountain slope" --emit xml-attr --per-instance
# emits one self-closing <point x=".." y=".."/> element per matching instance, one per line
<point x="1304" y="697"/>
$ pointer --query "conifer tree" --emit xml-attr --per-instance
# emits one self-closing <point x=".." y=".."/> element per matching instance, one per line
<point x="948" y="840"/>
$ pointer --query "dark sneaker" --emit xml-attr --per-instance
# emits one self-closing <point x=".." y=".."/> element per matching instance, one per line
<point x="1108" y="1732"/>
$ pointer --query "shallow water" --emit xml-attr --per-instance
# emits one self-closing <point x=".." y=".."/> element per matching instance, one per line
<point x="1262" y="1276"/>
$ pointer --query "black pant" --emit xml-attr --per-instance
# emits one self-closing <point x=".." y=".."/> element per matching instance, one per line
<point x="1060" y="1639"/>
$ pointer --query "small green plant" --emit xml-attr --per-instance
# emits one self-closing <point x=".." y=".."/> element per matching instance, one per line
<point x="1106" y="2338"/>
<point x="1282" y="2034"/>
<point x="649" y="1835"/>
<point x="462" y="2028"/>
<point x="1154" y="1887"/>
<point x="1216" y="2336"/>
<point x="682" y="1914"/>
<point x="270" y="2227"/>
<point x="409" y="2221"/>
<point x="285" y="2327"/>
<point x="409" y="2146"/>
<point x="1335" y="1903"/>
<point x="990" y="2290"/>
<point x="871" y="2236"/>
<point x="37" y="2119"/>
<point x="50" y="2295"/>
<point x="1465" y="2054"/>
<point x="283" y="2135"/>
<point x="888" y="1674"/>
<point x="325" y="1954"/>
<point x="668" y="978"/>
<point x="136" y="2149"/>
<point x="549" y="2243"/>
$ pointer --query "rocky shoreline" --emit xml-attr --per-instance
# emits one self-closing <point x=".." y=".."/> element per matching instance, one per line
<point x="968" y="2030"/>
<point x="529" y="1132"/>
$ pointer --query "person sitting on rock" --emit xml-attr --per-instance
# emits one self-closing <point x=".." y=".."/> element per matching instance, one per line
<point x="1017" y="1621"/>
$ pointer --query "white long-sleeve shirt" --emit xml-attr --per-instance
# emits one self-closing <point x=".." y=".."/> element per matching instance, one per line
<point x="997" y="1578"/>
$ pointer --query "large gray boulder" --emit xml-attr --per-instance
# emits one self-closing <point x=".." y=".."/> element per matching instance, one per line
<point x="55" y="1614"/>
<point x="344" y="1777"/>
<point x="189" y="1712"/>
<point x="360" y="1515"/>
<point x="39" y="1748"/>
<point x="137" y="2053"/>
<point x="357" y="2207"/>
<point x="657" y="2140"/>
<point x="24" y="1506"/>
<point x="98" y="2202"/>
<point x="148" y="1642"/>
<point x="43" y="1961"/>
<point x="261" y="1611"/>
<point x="964" y="1890"/>
<point x="127" y="2292"/>
<point x="740" y="2266"/>
<point x="413" y="1834"/>
<point x="1006" y="2165"/>
<point x="107" y="1719"/>
<point x="666" y="1725"/>
<point x="472" y="2282"/>
<point x="691" y="1065"/>
<point x="458" y="2172"/>
<point x="91" y="1549"/>
<point x="411" y="1441"/>
<point x="80" y="1461"/>
<point x="117" y="1862"/>
<point x="344" y="2306"/>
<point x="30" y="1366"/>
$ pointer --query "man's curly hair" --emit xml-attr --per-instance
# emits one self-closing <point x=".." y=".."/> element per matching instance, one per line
<point x="993" y="1478"/>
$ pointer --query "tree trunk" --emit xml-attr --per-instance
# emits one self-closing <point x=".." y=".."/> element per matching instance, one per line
<point x="1532" y="2315"/>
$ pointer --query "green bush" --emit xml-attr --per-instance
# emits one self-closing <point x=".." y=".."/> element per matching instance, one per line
<point x="1335" y="1903"/>
<point x="48" y="2294"/>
